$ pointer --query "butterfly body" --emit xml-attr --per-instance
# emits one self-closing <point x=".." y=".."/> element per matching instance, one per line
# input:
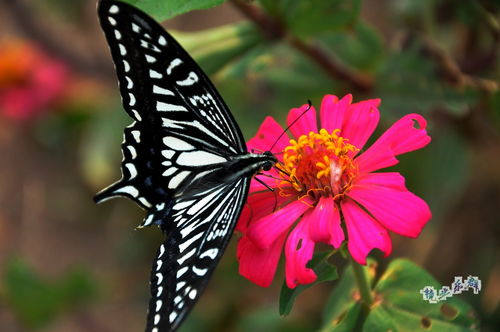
<point x="184" y="159"/>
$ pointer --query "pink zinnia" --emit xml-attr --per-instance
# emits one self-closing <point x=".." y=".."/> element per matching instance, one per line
<point x="330" y="180"/>
<point x="30" y="81"/>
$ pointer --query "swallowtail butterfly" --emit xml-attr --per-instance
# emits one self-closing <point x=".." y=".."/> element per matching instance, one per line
<point x="184" y="159"/>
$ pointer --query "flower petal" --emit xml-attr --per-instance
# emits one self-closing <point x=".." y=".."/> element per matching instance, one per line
<point x="259" y="205"/>
<point x="364" y="232"/>
<point x="266" y="230"/>
<point x="360" y="121"/>
<point x="385" y="196"/>
<point x="400" y="138"/>
<point x="266" y="136"/>
<point x="305" y="123"/>
<point x="324" y="222"/>
<point x="333" y="111"/>
<point x="259" y="265"/>
<point x="299" y="250"/>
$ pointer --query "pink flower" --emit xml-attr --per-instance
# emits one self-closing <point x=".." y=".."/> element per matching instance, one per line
<point x="29" y="80"/>
<point x="330" y="183"/>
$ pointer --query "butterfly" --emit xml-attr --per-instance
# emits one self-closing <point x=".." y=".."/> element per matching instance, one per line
<point x="185" y="160"/>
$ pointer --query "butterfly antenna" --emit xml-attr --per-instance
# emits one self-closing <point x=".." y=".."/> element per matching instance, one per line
<point x="291" y="124"/>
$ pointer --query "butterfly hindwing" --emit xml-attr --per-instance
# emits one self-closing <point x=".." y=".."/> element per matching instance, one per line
<point x="185" y="261"/>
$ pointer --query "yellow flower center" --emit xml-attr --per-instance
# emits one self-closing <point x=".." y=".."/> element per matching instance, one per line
<point x="319" y="164"/>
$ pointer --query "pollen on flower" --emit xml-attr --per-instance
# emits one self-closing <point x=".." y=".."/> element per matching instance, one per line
<point x="319" y="164"/>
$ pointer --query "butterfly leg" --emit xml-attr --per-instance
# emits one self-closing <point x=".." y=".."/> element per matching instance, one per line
<point x="262" y="182"/>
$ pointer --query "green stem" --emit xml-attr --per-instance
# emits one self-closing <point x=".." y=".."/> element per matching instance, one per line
<point x="362" y="282"/>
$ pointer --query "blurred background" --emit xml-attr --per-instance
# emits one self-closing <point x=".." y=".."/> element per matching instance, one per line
<point x="69" y="265"/>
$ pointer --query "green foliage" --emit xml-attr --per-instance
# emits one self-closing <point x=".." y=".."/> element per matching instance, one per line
<point x="324" y="272"/>
<point x="165" y="9"/>
<point x="216" y="48"/>
<point x="398" y="304"/>
<point x="409" y="83"/>
<point x="37" y="301"/>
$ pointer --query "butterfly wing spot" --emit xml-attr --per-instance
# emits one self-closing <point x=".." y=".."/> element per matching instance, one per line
<point x="155" y="74"/>
<point x="165" y="107"/>
<point x="172" y="316"/>
<point x="149" y="46"/>
<point x="130" y="190"/>
<point x="132" y="170"/>
<point x="162" y="91"/>
<point x="123" y="50"/>
<point x="137" y="135"/>
<point x="212" y="253"/>
<point x="136" y="114"/>
<point x="150" y="58"/>
<point x="144" y="202"/>
<point x="183" y="205"/>
<point x="162" y="250"/>
<point x="199" y="272"/>
<point x="157" y="319"/>
<point x="118" y="35"/>
<point x="160" y="206"/>
<point x="159" y="277"/>
<point x="184" y="245"/>
<point x="180" y="272"/>
<point x="158" y="265"/>
<point x="114" y="9"/>
<point x="175" y="62"/>
<point x="177" y="144"/>
<point x="192" y="294"/>
<point x="132" y="99"/>
<point x="170" y="171"/>
<point x="159" y="291"/>
<point x="126" y="66"/>
<point x="130" y="83"/>
<point x="158" y="305"/>
<point x="181" y="260"/>
<point x="179" y="285"/>
<point x="136" y="28"/>
<point x="148" y="220"/>
<point x="199" y="158"/>
<point x="112" y="21"/>
<point x="177" y="179"/>
<point x="133" y="152"/>
<point x="162" y="41"/>
<point x="190" y="80"/>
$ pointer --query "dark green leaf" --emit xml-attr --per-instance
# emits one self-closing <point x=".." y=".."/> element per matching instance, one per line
<point x="164" y="9"/>
<point x="324" y="272"/>
<point x="399" y="306"/>
<point x="342" y="309"/>
<point x="308" y="18"/>
<point x="215" y="48"/>
<point x="408" y="83"/>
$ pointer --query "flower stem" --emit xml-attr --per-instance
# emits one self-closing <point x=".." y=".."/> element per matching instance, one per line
<point x="363" y="284"/>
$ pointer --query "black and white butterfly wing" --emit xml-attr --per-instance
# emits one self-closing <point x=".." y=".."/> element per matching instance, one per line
<point x="182" y="126"/>
<point x="182" y="134"/>
<point x="187" y="258"/>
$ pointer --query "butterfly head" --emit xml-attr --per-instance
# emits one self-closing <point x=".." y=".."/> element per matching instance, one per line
<point x="271" y="160"/>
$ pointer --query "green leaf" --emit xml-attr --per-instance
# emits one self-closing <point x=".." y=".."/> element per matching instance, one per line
<point x="342" y="309"/>
<point x="36" y="301"/>
<point x="360" y="47"/>
<point x="408" y="83"/>
<point x="215" y="48"/>
<point x="324" y="272"/>
<point x="164" y="9"/>
<point x="308" y="18"/>
<point x="399" y="306"/>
